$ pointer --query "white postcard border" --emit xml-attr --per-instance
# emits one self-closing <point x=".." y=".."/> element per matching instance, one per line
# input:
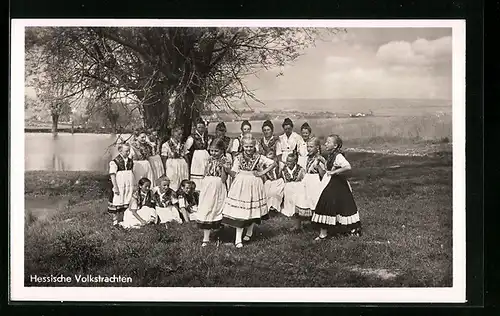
<point x="19" y="292"/>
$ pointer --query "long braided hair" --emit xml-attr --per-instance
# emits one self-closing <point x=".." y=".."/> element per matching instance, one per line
<point x="330" y="159"/>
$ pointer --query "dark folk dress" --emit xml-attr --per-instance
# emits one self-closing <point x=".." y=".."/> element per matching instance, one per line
<point x="336" y="207"/>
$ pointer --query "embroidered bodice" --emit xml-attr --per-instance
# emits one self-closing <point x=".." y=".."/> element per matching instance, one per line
<point x="173" y="149"/>
<point x="267" y="145"/>
<point x="215" y="166"/>
<point x="121" y="165"/>
<point x="166" y="198"/>
<point x="200" y="142"/>
<point x="142" y="151"/>
<point x="144" y="199"/>
<point x="292" y="175"/>
<point x="248" y="163"/>
<point x="313" y="162"/>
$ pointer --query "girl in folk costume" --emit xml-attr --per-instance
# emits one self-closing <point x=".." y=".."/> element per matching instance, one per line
<point x="194" y="194"/>
<point x="336" y="207"/>
<point x="306" y="133"/>
<point x="141" y="150"/>
<point x="142" y="207"/>
<point x="196" y="147"/>
<point x="274" y="184"/>
<point x="166" y="200"/>
<point x="246" y="203"/>
<point x="220" y="132"/>
<point x="122" y="178"/>
<point x="289" y="141"/>
<point x="155" y="158"/>
<point x="186" y="201"/>
<point x="292" y="175"/>
<point x="172" y="153"/>
<point x="154" y="141"/>
<point x="269" y="142"/>
<point x="213" y="191"/>
<point x="314" y="171"/>
<point x="237" y="145"/>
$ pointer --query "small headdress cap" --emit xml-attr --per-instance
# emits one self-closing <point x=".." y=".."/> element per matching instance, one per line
<point x="287" y="121"/>
<point x="269" y="124"/>
<point x="221" y="127"/>
<point x="247" y="123"/>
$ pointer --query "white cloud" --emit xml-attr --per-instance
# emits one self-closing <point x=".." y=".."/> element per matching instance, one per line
<point x="420" y="52"/>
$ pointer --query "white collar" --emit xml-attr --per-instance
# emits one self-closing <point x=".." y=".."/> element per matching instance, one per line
<point x="291" y="170"/>
<point x="201" y="135"/>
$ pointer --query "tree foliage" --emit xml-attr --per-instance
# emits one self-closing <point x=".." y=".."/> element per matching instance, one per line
<point x="170" y="75"/>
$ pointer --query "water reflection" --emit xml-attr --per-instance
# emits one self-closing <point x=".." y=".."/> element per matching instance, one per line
<point x="66" y="152"/>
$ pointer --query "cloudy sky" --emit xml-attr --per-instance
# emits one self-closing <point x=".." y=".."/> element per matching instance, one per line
<point x="407" y="63"/>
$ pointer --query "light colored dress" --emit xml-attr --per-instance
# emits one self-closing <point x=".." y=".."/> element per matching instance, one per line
<point x="213" y="194"/>
<point x="166" y="208"/>
<point x="197" y="145"/>
<point x="302" y="151"/>
<point x="274" y="187"/>
<point x="176" y="167"/>
<point x="288" y="144"/>
<point x="145" y="206"/>
<point x="313" y="186"/>
<point x="246" y="202"/>
<point x="142" y="167"/>
<point x="294" y="187"/>
<point x="187" y="202"/>
<point x="122" y="168"/>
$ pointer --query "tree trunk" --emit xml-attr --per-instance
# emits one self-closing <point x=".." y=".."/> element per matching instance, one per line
<point x="55" y="120"/>
<point x="156" y="116"/>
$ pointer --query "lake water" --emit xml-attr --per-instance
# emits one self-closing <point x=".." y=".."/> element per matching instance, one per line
<point x="92" y="152"/>
<point x="66" y="152"/>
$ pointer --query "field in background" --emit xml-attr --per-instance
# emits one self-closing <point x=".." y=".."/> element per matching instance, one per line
<point x="405" y="206"/>
<point x="391" y="129"/>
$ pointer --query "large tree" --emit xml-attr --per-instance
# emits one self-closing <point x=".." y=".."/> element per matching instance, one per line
<point x="170" y="74"/>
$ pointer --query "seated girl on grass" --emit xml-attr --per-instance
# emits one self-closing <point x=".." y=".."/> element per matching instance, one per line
<point x="186" y="201"/>
<point x="142" y="207"/>
<point x="166" y="200"/>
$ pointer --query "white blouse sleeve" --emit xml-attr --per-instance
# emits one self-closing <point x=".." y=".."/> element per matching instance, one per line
<point x="266" y="161"/>
<point x="165" y="149"/>
<point x="278" y="148"/>
<point x="235" y="146"/>
<point x="182" y="202"/>
<point x="236" y="165"/>
<point x="132" y="153"/>
<point x="188" y="144"/>
<point x="341" y="162"/>
<point x="113" y="168"/>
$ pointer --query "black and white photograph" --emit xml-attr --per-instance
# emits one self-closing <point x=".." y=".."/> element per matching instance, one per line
<point x="238" y="160"/>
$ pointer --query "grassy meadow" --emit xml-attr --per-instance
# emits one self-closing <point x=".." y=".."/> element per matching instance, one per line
<point x="405" y="204"/>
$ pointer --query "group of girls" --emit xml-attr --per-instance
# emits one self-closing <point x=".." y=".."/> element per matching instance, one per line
<point x="239" y="181"/>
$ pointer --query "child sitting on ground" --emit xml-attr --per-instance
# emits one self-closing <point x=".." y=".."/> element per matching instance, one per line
<point x="186" y="201"/>
<point x="166" y="201"/>
<point x="142" y="207"/>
